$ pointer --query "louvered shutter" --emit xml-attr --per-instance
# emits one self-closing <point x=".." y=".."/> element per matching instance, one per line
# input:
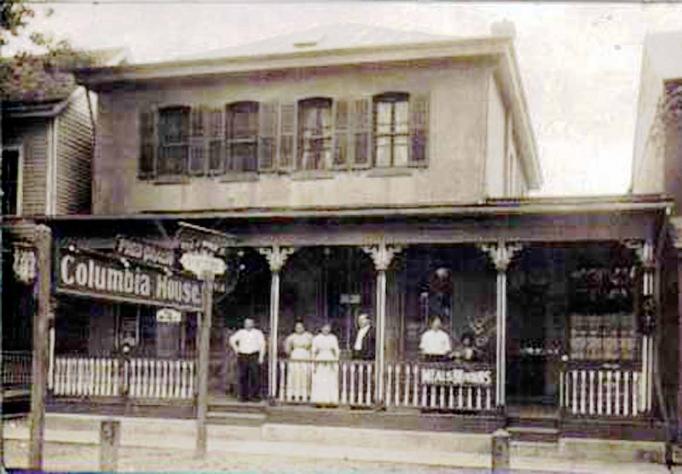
<point x="198" y="119"/>
<point x="362" y="132"/>
<point x="287" y="136"/>
<point x="216" y="134"/>
<point x="147" y="136"/>
<point x="341" y="157"/>
<point x="419" y="128"/>
<point x="267" y="135"/>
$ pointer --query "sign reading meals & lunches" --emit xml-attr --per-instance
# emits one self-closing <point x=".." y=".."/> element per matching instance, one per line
<point x="97" y="276"/>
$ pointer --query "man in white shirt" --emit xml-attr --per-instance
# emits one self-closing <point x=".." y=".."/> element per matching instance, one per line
<point x="249" y="345"/>
<point x="363" y="349"/>
<point x="435" y="344"/>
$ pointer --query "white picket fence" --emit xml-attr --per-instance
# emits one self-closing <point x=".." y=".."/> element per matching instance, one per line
<point x="610" y="392"/>
<point x="111" y="377"/>
<point x="404" y="386"/>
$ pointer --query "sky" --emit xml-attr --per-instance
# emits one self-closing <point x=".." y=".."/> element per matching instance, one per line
<point x="580" y="62"/>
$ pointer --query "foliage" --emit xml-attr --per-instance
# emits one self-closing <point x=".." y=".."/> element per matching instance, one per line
<point x="31" y="76"/>
<point x="14" y="15"/>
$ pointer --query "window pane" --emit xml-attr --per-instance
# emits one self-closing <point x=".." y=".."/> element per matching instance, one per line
<point x="383" y="151"/>
<point x="174" y="123"/>
<point x="401" y="117"/>
<point x="315" y="132"/>
<point x="10" y="181"/>
<point x="383" y="125"/>
<point x="173" y="160"/>
<point x="400" y="151"/>
<point x="243" y="157"/>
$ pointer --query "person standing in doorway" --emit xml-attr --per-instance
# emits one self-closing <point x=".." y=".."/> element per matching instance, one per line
<point x="249" y="345"/>
<point x="435" y="345"/>
<point x="364" y="346"/>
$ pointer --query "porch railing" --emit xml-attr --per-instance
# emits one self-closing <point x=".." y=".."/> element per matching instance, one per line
<point x="600" y="390"/>
<point x="466" y="387"/>
<point x="111" y="377"/>
<point x="446" y="386"/>
<point x="354" y="380"/>
<point x="16" y="369"/>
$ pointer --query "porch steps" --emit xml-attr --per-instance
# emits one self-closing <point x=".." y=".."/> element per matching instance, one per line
<point x="533" y="428"/>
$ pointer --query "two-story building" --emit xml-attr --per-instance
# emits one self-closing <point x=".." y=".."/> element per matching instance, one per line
<point x="657" y="168"/>
<point x="356" y="170"/>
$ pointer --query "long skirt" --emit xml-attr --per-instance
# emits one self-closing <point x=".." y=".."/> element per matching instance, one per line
<point x="298" y="380"/>
<point x="325" y="383"/>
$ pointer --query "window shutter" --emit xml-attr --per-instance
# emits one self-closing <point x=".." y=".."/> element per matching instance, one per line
<point x="362" y="132"/>
<point x="147" y="135"/>
<point x="198" y="133"/>
<point x="341" y="158"/>
<point x="419" y="128"/>
<point x="287" y="136"/>
<point x="267" y="135"/>
<point x="216" y="134"/>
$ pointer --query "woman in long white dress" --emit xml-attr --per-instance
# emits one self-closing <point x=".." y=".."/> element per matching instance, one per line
<point x="297" y="346"/>
<point x="325" y="386"/>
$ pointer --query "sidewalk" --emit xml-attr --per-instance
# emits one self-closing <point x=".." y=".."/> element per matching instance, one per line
<point x="170" y="448"/>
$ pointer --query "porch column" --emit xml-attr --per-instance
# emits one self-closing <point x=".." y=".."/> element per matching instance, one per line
<point x="276" y="257"/>
<point x="646" y="310"/>
<point x="382" y="256"/>
<point x="43" y="239"/>
<point x="501" y="255"/>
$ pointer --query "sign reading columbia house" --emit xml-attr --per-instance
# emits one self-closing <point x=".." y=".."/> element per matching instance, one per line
<point x="95" y="276"/>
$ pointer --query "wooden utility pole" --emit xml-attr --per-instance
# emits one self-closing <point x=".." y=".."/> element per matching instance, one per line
<point x="204" y="360"/>
<point x="43" y="242"/>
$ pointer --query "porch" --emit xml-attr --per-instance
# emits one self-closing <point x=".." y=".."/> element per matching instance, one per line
<point x="540" y="335"/>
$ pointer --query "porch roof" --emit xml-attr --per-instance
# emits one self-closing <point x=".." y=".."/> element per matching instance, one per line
<point x="490" y="207"/>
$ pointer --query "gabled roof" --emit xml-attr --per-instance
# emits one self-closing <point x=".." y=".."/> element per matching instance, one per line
<point x="323" y="38"/>
<point x="342" y="45"/>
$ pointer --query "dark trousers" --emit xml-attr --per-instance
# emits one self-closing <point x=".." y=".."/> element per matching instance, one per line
<point x="249" y="377"/>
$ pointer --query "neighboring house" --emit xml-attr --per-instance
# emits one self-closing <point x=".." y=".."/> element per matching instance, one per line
<point x="47" y="148"/>
<point x="357" y="169"/>
<point x="657" y="168"/>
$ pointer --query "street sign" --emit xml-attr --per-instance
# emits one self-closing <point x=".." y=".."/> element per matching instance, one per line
<point x="24" y="265"/>
<point x="201" y="264"/>
<point x="350" y="298"/>
<point x="168" y="315"/>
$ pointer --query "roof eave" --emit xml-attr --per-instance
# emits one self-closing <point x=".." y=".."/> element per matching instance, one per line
<point x="101" y="76"/>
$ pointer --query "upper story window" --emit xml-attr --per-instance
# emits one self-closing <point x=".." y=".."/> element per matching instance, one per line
<point x="315" y="133"/>
<point x="241" y="137"/>
<point x="391" y="129"/>
<point x="10" y="182"/>
<point x="400" y="129"/>
<point x="173" y="153"/>
<point x="320" y="133"/>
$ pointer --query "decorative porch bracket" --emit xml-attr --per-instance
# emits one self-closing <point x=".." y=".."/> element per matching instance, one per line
<point x="501" y="254"/>
<point x="382" y="256"/>
<point x="644" y="249"/>
<point x="277" y="258"/>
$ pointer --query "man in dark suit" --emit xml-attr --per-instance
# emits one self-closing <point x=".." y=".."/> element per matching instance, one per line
<point x="364" y="346"/>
